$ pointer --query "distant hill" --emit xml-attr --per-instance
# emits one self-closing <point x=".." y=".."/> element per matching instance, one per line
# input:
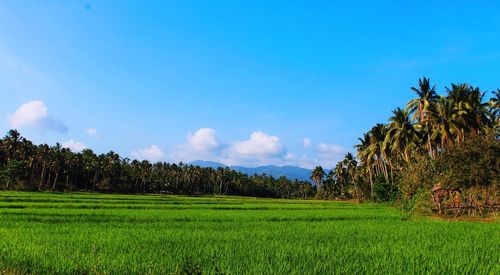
<point x="290" y="172"/>
<point x="203" y="163"/>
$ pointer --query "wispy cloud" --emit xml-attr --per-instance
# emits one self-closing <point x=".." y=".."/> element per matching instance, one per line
<point x="307" y="142"/>
<point x="19" y="76"/>
<point x="92" y="132"/>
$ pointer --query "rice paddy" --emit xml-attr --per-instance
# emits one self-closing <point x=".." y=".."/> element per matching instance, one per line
<point x="74" y="233"/>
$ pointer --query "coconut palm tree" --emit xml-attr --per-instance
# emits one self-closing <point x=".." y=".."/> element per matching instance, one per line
<point x="57" y="161"/>
<point x="341" y="177"/>
<point x="402" y="136"/>
<point x="43" y="158"/>
<point x="351" y="166"/>
<point x="458" y="96"/>
<point x="426" y="98"/>
<point x="12" y="143"/>
<point x="375" y="150"/>
<point x="494" y="112"/>
<point x="317" y="176"/>
<point x="477" y="112"/>
<point x="362" y="154"/>
<point x="443" y="118"/>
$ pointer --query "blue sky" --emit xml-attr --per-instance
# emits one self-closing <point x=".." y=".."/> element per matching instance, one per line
<point x="241" y="82"/>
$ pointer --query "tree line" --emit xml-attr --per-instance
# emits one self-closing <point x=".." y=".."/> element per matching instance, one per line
<point x="26" y="166"/>
<point x="442" y="148"/>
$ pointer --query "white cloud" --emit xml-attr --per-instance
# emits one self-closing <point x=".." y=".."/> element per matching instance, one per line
<point x="260" y="149"/>
<point x="307" y="142"/>
<point x="151" y="153"/>
<point x="34" y="114"/>
<point x="203" y="140"/>
<point x="74" y="146"/>
<point x="203" y="144"/>
<point x="260" y="144"/>
<point x="92" y="132"/>
<point x="200" y="145"/>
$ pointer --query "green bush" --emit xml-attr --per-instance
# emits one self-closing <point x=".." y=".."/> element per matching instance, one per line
<point x="419" y="174"/>
<point x="470" y="168"/>
<point x="420" y="202"/>
<point x="11" y="172"/>
<point x="472" y="163"/>
<point x="384" y="191"/>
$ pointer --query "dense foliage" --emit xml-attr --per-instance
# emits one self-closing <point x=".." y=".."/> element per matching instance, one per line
<point x="25" y="166"/>
<point x="71" y="233"/>
<point x="439" y="145"/>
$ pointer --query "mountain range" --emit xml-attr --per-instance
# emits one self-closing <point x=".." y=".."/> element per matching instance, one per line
<point x="290" y="172"/>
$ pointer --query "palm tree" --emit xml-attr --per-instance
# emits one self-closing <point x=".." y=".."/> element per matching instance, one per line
<point x="89" y="165"/>
<point x="443" y="118"/>
<point x="419" y="106"/>
<point x="458" y="95"/>
<point x="362" y="153"/>
<point x="351" y="165"/>
<point x="145" y="168"/>
<point x="376" y="148"/>
<point x="317" y="176"/>
<point x="494" y="112"/>
<point x="57" y="161"/>
<point x="68" y="163"/>
<point x="12" y="143"/>
<point x="402" y="136"/>
<point x="43" y="158"/>
<point x="341" y="176"/>
<point x="477" y="116"/>
<point x="426" y="97"/>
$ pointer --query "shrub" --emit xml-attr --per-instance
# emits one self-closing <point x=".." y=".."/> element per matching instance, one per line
<point x="383" y="191"/>
<point x="420" y="202"/>
<point x="472" y="163"/>
<point x="417" y="175"/>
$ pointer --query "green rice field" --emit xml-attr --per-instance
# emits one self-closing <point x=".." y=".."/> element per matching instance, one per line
<point x="75" y="233"/>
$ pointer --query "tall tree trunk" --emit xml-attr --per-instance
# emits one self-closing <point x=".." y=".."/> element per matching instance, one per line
<point x="227" y="186"/>
<point x="49" y="179"/>
<point x="67" y="180"/>
<point x="319" y="190"/>
<point x="392" y="172"/>
<point x="377" y="168"/>
<point x="371" y="181"/>
<point x="95" y="179"/>
<point x="32" y="175"/>
<point x="386" y="174"/>
<point x="42" y="176"/>
<point x="55" y="179"/>
<point x="431" y="152"/>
